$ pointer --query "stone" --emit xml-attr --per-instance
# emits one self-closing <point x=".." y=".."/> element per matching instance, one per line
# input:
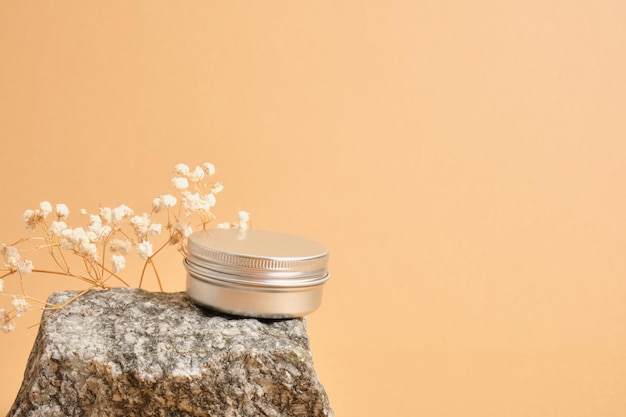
<point x="130" y="352"/>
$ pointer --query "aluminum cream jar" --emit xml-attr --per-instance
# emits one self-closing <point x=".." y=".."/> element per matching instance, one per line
<point x="255" y="273"/>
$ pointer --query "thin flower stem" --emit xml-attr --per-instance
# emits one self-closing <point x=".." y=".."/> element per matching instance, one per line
<point x="63" y="266"/>
<point x="59" y="307"/>
<point x="65" y="273"/>
<point x="22" y="283"/>
<point x="113" y="275"/>
<point x="10" y="272"/>
<point x="143" y="271"/>
<point x="149" y="260"/>
<point x="156" y="273"/>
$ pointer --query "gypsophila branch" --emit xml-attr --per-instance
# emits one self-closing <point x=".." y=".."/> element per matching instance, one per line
<point x="111" y="236"/>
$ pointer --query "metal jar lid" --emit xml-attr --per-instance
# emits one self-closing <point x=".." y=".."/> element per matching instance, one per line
<point x="255" y="272"/>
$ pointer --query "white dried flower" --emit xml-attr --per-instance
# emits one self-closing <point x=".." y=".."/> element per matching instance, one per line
<point x="57" y="227"/>
<point x="181" y="231"/>
<point x="118" y="262"/>
<point x="140" y="225"/>
<point x="181" y="169"/>
<point x="11" y="256"/>
<point x="106" y="214"/>
<point x="99" y="232"/>
<point x="120" y="246"/>
<point x="217" y="188"/>
<point x="6" y="325"/>
<point x="144" y="249"/>
<point x="168" y="200"/>
<point x="225" y="225"/>
<point x="121" y="213"/>
<point x="89" y="250"/>
<point x="244" y="218"/>
<point x="66" y="242"/>
<point x="25" y="266"/>
<point x="180" y="183"/>
<point x="210" y="169"/>
<point x="94" y="220"/>
<point x="196" y="175"/>
<point x="21" y="306"/>
<point x="194" y="202"/>
<point x="96" y="230"/>
<point x="184" y="228"/>
<point x="83" y="212"/>
<point x="154" y="229"/>
<point x="76" y="235"/>
<point x="45" y="208"/>
<point x="29" y="219"/>
<point x="62" y="211"/>
<point x="1" y="285"/>
<point x="163" y="202"/>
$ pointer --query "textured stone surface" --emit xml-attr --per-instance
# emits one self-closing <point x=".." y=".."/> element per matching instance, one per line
<point x="129" y="352"/>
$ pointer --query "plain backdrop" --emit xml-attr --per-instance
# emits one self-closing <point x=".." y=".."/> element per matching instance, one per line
<point x="463" y="161"/>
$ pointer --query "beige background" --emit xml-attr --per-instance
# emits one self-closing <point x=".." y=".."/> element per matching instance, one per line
<point x="464" y="161"/>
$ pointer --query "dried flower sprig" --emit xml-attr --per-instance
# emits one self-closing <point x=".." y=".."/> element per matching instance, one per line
<point x="108" y="238"/>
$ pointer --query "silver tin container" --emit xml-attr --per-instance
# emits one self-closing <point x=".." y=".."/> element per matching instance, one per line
<point x="255" y="273"/>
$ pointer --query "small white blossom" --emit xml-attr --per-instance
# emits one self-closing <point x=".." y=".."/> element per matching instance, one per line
<point x="11" y="256"/>
<point x="141" y="225"/>
<point x="1" y="285"/>
<point x="154" y="229"/>
<point x="181" y="169"/>
<point x="45" y="208"/>
<point x="96" y="230"/>
<point x="157" y="205"/>
<point x="144" y="249"/>
<point x="121" y="213"/>
<point x="194" y="202"/>
<point x="62" y="211"/>
<point x="210" y="169"/>
<point x="21" y="306"/>
<point x="184" y="229"/>
<point x="217" y="188"/>
<point x="83" y="212"/>
<point x="225" y="225"/>
<point x="181" y="231"/>
<point x="66" y="241"/>
<point x="99" y="232"/>
<point x="25" y="266"/>
<point x="106" y="214"/>
<point x="244" y="218"/>
<point x="180" y="183"/>
<point x="118" y="262"/>
<point x="76" y="236"/>
<point x="57" y="227"/>
<point x="29" y="219"/>
<point x="6" y="325"/>
<point x="163" y="202"/>
<point x="120" y="246"/>
<point x="168" y="200"/>
<point x="196" y="175"/>
<point x="89" y="250"/>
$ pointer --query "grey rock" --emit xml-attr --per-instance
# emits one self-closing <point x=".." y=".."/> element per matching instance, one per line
<point x="129" y="352"/>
